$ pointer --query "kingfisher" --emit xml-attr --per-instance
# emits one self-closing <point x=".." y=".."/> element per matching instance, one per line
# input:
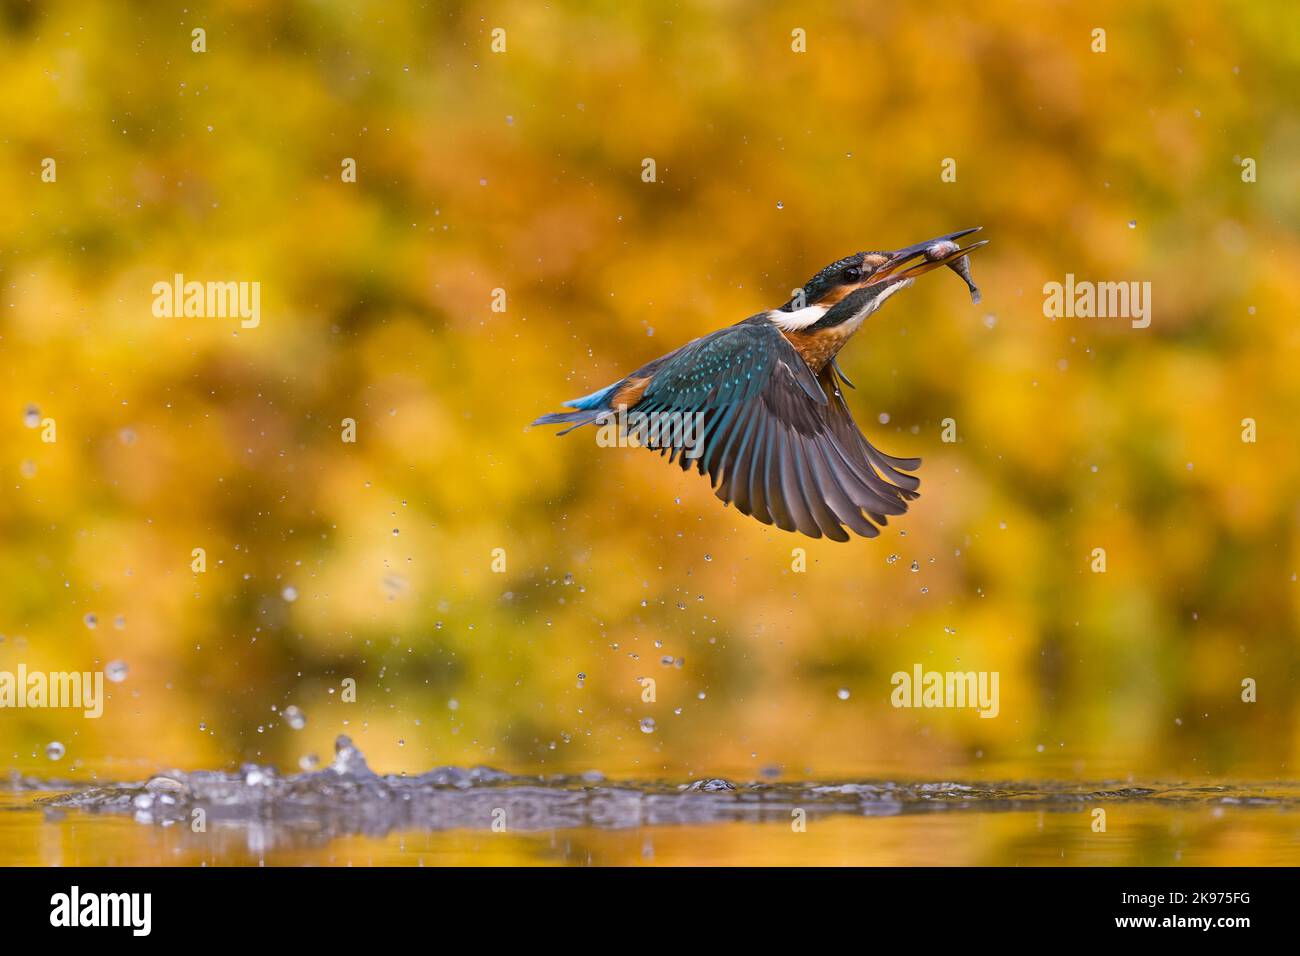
<point x="757" y="406"/>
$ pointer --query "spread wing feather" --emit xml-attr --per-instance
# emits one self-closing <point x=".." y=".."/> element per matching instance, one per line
<point x="776" y="440"/>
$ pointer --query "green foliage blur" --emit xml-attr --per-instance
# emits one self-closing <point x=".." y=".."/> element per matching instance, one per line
<point x="522" y="170"/>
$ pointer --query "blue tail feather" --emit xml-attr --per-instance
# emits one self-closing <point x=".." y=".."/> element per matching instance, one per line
<point x="590" y="408"/>
<point x="594" y="400"/>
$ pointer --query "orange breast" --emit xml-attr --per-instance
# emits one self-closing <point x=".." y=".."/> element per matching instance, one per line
<point x="817" y="348"/>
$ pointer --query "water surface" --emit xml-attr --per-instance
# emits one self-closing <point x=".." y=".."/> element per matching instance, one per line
<point x="346" y="814"/>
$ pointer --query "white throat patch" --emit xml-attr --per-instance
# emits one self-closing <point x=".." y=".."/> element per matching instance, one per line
<point x="875" y="304"/>
<point x="798" y="319"/>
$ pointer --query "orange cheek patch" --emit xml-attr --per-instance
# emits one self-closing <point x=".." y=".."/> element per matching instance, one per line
<point x="836" y="294"/>
<point x="873" y="263"/>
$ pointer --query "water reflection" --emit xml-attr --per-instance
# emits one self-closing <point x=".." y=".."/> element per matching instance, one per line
<point x="248" y="816"/>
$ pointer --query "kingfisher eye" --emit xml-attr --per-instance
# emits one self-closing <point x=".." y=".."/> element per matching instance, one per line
<point x="852" y="274"/>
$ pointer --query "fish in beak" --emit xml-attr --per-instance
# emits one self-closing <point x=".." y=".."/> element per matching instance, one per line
<point x="924" y="256"/>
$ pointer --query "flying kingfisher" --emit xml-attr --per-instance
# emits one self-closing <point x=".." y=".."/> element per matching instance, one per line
<point x="766" y="420"/>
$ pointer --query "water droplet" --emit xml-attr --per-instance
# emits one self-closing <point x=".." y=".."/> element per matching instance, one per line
<point x="116" y="671"/>
<point x="916" y="566"/>
<point x="54" y="750"/>
<point x="91" y="621"/>
<point x="1132" y="223"/>
<point x="32" y="416"/>
<point x="780" y="205"/>
<point x="648" y="725"/>
<point x="294" y="717"/>
<point x="842" y="693"/>
<point x="289" y="594"/>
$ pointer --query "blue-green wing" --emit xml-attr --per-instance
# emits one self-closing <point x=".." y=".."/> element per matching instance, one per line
<point x="776" y="440"/>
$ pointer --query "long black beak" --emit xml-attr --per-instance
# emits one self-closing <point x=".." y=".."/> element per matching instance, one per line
<point x="896" y="269"/>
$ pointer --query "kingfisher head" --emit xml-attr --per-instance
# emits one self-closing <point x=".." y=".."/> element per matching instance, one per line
<point x="842" y="295"/>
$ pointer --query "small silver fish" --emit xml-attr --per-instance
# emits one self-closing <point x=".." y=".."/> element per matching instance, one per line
<point x="960" y="266"/>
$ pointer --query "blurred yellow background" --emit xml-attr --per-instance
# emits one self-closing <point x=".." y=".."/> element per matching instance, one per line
<point x="521" y="170"/>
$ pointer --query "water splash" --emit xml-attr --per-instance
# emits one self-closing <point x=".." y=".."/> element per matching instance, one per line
<point x="349" y="798"/>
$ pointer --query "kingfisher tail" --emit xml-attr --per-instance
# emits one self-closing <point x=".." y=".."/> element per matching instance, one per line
<point x="572" y="419"/>
<point x="590" y="408"/>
